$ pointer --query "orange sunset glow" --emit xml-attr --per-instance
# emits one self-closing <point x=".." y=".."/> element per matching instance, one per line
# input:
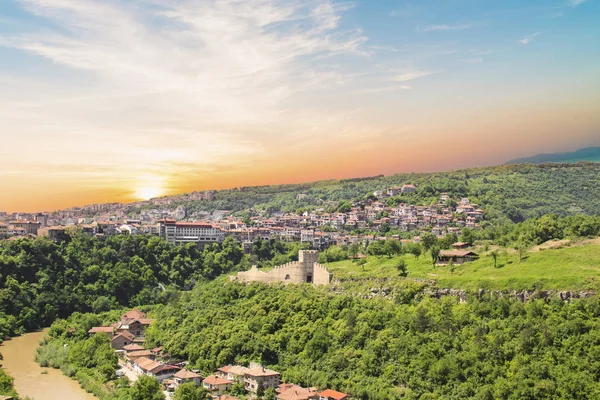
<point x="106" y="102"/>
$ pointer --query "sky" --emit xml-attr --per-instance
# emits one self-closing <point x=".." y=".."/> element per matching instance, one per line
<point x="121" y="100"/>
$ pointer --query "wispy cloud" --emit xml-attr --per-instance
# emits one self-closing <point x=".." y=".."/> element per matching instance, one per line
<point x="575" y="3"/>
<point x="386" y="89"/>
<point x="434" y="28"/>
<point x="529" y="38"/>
<point x="201" y="80"/>
<point x="408" y="75"/>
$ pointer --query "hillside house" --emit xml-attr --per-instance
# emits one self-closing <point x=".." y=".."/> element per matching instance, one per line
<point x="153" y="368"/>
<point x="216" y="386"/>
<point x="260" y="376"/>
<point x="134" y="355"/>
<point x="296" y="392"/>
<point x="233" y="373"/>
<point x="408" y="188"/>
<point x="132" y="347"/>
<point x="457" y="257"/>
<point x="135" y="322"/>
<point x="121" y="339"/>
<point x="333" y="395"/>
<point x="107" y="330"/>
<point x="185" y="376"/>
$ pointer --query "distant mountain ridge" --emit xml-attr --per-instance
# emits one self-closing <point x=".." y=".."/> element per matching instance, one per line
<point x="591" y="154"/>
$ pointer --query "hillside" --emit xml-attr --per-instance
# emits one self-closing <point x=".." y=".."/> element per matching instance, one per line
<point x="588" y="154"/>
<point x="574" y="268"/>
<point x="516" y="192"/>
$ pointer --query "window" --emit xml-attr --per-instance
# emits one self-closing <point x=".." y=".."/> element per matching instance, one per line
<point x="287" y="277"/>
<point x="309" y="278"/>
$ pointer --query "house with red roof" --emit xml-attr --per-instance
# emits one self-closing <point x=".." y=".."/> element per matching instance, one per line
<point x="216" y="385"/>
<point x="329" y="394"/>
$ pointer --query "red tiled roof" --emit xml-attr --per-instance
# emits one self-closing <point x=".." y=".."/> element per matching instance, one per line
<point x="185" y="374"/>
<point x="133" y="347"/>
<point x="139" y="353"/>
<point x="261" y="372"/>
<point x="332" y="394"/>
<point x="216" y="381"/>
<point x="134" y="314"/>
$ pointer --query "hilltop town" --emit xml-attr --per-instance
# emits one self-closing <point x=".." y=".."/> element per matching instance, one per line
<point x="372" y="218"/>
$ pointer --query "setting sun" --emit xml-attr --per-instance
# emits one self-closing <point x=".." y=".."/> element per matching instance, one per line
<point x="146" y="193"/>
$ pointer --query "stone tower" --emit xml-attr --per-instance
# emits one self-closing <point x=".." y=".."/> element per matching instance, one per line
<point x="306" y="262"/>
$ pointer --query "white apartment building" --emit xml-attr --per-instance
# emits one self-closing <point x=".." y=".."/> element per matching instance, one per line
<point x="189" y="232"/>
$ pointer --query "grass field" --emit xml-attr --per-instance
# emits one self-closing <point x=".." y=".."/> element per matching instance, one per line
<point x="570" y="268"/>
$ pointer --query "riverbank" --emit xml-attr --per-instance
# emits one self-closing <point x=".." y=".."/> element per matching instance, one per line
<point x="32" y="380"/>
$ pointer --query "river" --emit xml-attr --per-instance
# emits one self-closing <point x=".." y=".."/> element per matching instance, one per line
<point x="19" y="363"/>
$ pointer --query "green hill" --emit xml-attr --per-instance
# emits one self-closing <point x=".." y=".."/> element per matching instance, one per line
<point x="514" y="191"/>
<point x="574" y="268"/>
<point x="588" y="154"/>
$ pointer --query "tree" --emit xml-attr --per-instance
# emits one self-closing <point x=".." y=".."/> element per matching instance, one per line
<point x="344" y="207"/>
<point x="429" y="240"/>
<point x="354" y="249"/>
<point x="467" y="236"/>
<point x="414" y="249"/>
<point x="401" y="267"/>
<point x="362" y="262"/>
<point x="435" y="254"/>
<point x="260" y="390"/>
<point x="237" y="389"/>
<point x="270" y="394"/>
<point x="376" y="248"/>
<point x="189" y="391"/>
<point x="146" y="388"/>
<point x="494" y="255"/>
<point x="522" y="250"/>
<point x="392" y="247"/>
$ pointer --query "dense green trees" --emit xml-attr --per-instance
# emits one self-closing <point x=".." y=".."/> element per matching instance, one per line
<point x="41" y="280"/>
<point x="189" y="391"/>
<point x="146" y="388"/>
<point x="378" y="349"/>
<point x="6" y="384"/>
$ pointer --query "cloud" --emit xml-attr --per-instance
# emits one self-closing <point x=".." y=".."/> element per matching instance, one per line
<point x="474" y="60"/>
<point x="192" y="81"/>
<point x="528" y="39"/>
<point x="386" y="89"/>
<point x="434" y="28"/>
<point x="408" y="75"/>
<point x="575" y="3"/>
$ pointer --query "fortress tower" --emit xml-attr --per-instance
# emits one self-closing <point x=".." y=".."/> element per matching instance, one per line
<point x="306" y="270"/>
<point x="306" y="264"/>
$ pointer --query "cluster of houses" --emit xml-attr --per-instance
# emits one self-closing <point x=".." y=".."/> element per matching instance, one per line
<point x="318" y="228"/>
<point x="128" y="330"/>
<point x="256" y="377"/>
<point x="127" y="338"/>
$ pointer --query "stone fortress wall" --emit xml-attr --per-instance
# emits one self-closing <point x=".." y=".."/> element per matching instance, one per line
<point x="305" y="270"/>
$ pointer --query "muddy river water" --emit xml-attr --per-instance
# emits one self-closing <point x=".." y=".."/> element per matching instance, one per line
<point x="29" y="380"/>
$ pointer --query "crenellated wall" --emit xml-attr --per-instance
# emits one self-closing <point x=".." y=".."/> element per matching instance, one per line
<point x="306" y="270"/>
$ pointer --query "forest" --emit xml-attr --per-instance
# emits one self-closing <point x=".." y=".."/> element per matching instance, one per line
<point x="41" y="280"/>
<point x="486" y="348"/>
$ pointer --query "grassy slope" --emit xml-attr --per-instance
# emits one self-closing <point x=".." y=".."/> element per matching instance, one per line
<point x="572" y="268"/>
